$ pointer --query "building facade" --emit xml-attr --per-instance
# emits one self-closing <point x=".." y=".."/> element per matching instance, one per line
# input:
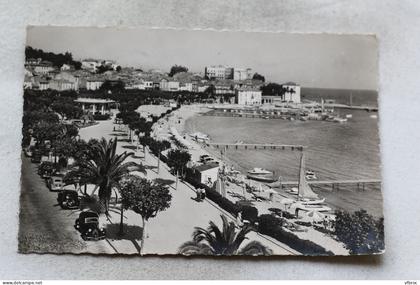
<point x="240" y="74"/>
<point x="292" y="92"/>
<point x="249" y="97"/>
<point x="95" y="106"/>
<point x="218" y="72"/>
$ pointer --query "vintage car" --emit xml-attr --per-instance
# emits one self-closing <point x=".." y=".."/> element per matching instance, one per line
<point x="68" y="199"/>
<point x="88" y="226"/>
<point x="36" y="156"/>
<point x="55" y="183"/>
<point x="46" y="169"/>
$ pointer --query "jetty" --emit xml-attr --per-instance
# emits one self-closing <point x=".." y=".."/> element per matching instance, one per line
<point x="335" y="184"/>
<point x="351" y="107"/>
<point x="247" y="146"/>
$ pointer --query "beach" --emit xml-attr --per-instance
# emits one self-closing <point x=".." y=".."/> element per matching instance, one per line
<point x="335" y="151"/>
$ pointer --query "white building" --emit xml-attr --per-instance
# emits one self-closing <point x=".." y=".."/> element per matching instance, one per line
<point x="90" y="64"/>
<point x="292" y="93"/>
<point x="167" y="85"/>
<point x="242" y="74"/>
<point x="95" y="106"/>
<point x="218" y="72"/>
<point x="94" y="84"/>
<point x="186" y="86"/>
<point x="66" y="67"/>
<point x="206" y="173"/>
<point x="248" y="97"/>
<point x="43" y="67"/>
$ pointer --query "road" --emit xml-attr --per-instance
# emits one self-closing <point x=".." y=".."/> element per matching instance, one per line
<point x="44" y="226"/>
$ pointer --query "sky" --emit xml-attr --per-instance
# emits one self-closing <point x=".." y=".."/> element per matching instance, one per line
<point x="311" y="60"/>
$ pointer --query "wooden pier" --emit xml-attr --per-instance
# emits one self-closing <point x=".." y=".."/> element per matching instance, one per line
<point x="245" y="146"/>
<point x="335" y="184"/>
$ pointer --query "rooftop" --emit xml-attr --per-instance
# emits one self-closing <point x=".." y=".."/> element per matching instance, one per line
<point x="206" y="166"/>
<point x="94" y="100"/>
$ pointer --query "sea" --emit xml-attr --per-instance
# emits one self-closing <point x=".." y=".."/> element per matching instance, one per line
<point x="334" y="150"/>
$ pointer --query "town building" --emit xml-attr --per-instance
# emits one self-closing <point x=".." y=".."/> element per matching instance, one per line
<point x="206" y="174"/>
<point x="248" y="96"/>
<point x="95" y="106"/>
<point x="66" y="67"/>
<point x="292" y="93"/>
<point x="90" y="64"/>
<point x="61" y="85"/>
<point x="218" y="72"/>
<point x="44" y="67"/>
<point x="168" y="85"/>
<point x="94" y="83"/>
<point x="242" y="74"/>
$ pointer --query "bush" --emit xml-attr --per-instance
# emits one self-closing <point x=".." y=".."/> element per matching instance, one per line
<point x="249" y="213"/>
<point x="268" y="222"/>
<point x="360" y="232"/>
<point x="100" y="117"/>
<point x="272" y="226"/>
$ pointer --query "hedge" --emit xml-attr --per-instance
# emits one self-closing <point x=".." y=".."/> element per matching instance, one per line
<point x="272" y="226"/>
<point x="100" y="117"/>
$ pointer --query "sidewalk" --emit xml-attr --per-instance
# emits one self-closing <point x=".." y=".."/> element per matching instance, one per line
<point x="171" y="228"/>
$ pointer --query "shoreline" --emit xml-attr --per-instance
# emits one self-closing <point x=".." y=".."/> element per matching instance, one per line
<point x="338" y="203"/>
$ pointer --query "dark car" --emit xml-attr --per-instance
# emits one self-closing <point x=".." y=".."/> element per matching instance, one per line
<point x="88" y="226"/>
<point x="36" y="156"/>
<point x="46" y="169"/>
<point x="68" y="199"/>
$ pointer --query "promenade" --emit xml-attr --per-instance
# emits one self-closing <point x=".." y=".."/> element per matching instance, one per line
<point x="174" y="226"/>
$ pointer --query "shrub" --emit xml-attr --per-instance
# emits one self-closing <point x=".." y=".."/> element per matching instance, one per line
<point x="268" y="222"/>
<point x="272" y="226"/>
<point x="360" y="232"/>
<point x="249" y="213"/>
<point x="100" y="117"/>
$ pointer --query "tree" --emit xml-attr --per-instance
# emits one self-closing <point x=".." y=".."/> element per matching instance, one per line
<point x="105" y="169"/>
<point x="145" y="198"/>
<point x="360" y="232"/>
<point x="225" y="241"/>
<point x="273" y="89"/>
<point x="178" y="159"/>
<point x="177" y="69"/>
<point x="258" y="76"/>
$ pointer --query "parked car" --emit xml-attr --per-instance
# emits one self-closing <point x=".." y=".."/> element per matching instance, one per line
<point x="68" y="199"/>
<point x="88" y="226"/>
<point x="28" y="151"/>
<point x="55" y="183"/>
<point x="36" y="156"/>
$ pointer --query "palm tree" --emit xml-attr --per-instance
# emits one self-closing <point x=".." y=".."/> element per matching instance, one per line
<point x="227" y="241"/>
<point x="104" y="168"/>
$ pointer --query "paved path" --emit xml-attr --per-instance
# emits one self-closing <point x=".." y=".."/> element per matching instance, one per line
<point x="171" y="228"/>
<point x="44" y="226"/>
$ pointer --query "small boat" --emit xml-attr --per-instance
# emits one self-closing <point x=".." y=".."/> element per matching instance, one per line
<point x="293" y="191"/>
<point x="259" y="171"/>
<point x="199" y="136"/>
<point x="339" y="120"/>
<point x="312" y="202"/>
<point x="349" y="116"/>
<point x="261" y="178"/>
